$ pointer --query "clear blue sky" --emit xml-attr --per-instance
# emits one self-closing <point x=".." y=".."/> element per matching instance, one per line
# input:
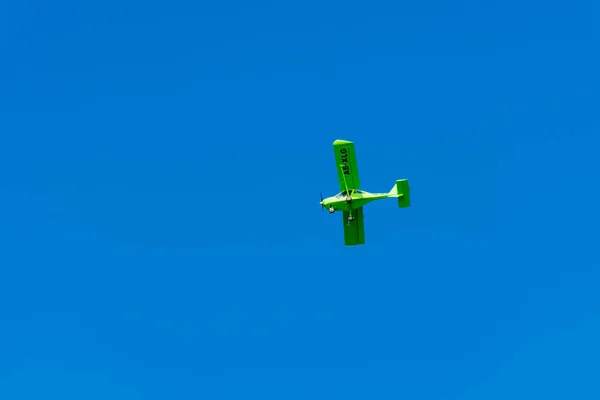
<point x="161" y="236"/>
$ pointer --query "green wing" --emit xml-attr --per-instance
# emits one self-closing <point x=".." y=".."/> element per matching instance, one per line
<point x="345" y="162"/>
<point x="355" y="232"/>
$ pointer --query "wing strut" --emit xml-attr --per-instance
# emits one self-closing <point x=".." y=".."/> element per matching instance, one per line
<point x="344" y="176"/>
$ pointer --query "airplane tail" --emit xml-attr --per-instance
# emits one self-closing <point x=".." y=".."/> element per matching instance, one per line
<point x="401" y="190"/>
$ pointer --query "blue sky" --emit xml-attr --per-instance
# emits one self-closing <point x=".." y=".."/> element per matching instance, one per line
<point x="161" y="235"/>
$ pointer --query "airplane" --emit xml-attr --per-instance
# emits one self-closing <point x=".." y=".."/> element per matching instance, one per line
<point x="351" y="199"/>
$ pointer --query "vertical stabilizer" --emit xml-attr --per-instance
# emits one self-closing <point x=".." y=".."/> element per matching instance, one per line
<point x="401" y="190"/>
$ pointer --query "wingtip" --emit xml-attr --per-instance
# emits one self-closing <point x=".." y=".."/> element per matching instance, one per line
<point x="340" y="141"/>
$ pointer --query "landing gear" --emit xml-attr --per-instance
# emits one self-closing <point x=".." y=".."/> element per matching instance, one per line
<point x="331" y="210"/>
<point x="350" y="218"/>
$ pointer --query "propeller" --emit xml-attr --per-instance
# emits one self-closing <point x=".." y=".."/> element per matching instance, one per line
<point x="322" y="206"/>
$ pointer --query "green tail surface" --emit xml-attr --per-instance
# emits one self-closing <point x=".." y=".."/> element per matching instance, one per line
<point x="401" y="190"/>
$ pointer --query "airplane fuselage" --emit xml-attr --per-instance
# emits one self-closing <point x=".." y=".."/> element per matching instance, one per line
<point x="358" y="199"/>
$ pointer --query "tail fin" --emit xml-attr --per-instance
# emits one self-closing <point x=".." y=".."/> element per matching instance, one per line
<point x="401" y="190"/>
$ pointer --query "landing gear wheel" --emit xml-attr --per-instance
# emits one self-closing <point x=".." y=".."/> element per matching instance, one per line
<point x="331" y="210"/>
<point x="351" y="218"/>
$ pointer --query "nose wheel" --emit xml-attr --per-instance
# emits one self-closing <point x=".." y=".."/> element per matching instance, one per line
<point x="331" y="210"/>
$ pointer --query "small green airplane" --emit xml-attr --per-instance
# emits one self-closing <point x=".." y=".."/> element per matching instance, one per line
<point x="351" y="199"/>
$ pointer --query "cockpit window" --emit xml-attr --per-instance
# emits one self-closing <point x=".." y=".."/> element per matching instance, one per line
<point x="343" y="194"/>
